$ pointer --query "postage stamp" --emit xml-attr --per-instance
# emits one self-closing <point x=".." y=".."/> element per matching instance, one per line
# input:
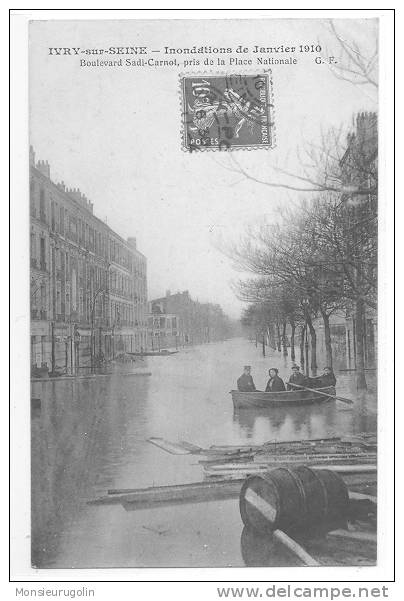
<point x="227" y="112"/>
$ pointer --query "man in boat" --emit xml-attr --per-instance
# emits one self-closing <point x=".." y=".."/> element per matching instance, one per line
<point x="245" y="383"/>
<point x="296" y="378"/>
<point x="275" y="383"/>
<point x="327" y="378"/>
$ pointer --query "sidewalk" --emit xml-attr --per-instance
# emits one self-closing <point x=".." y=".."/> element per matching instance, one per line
<point x="92" y="376"/>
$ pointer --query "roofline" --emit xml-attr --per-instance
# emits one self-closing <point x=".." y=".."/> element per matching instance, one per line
<point x="79" y="206"/>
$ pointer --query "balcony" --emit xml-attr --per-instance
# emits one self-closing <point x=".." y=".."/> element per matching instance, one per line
<point x="39" y="314"/>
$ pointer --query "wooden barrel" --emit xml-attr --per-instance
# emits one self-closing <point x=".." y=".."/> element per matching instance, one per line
<point x="259" y="550"/>
<point x="314" y="495"/>
<point x="293" y="499"/>
<point x="337" y="499"/>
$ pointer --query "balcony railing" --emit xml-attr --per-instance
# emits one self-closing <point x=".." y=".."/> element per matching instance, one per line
<point x="39" y="314"/>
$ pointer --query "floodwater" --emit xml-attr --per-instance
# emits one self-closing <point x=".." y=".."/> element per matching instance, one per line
<point x="90" y="435"/>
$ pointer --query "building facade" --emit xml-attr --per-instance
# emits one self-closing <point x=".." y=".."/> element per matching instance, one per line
<point x="88" y="285"/>
<point x="179" y="320"/>
<point x="163" y="329"/>
<point x="359" y="167"/>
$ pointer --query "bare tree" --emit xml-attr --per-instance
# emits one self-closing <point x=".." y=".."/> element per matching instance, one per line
<point x="355" y="64"/>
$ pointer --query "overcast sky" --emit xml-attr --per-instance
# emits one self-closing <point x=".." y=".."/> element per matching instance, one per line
<point x="115" y="134"/>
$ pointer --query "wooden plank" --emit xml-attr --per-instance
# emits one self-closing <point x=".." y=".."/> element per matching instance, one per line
<point x="359" y="536"/>
<point x="217" y="459"/>
<point x="348" y="469"/>
<point x="357" y="496"/>
<point x="192" y="448"/>
<point x="275" y="443"/>
<point x="141" y="373"/>
<point x="243" y="471"/>
<point x="195" y="492"/>
<point x="301" y="458"/>
<point x="171" y="447"/>
<point x="296" y="549"/>
<point x="267" y="464"/>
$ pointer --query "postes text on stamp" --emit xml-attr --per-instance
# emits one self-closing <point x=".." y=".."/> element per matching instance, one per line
<point x="227" y="112"/>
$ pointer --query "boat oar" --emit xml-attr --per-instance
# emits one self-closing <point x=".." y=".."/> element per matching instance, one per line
<point x="317" y="391"/>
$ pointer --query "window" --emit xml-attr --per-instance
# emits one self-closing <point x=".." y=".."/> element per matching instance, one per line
<point x="62" y="220"/>
<point x="33" y="358"/>
<point x="32" y="249"/>
<point x="81" y="302"/>
<point x="42" y="209"/>
<point x="42" y="254"/>
<point x="32" y="198"/>
<point x="72" y="228"/>
<point x="43" y="296"/>
<point x="43" y="340"/>
<point x="53" y="216"/>
<point x="58" y="297"/>
<point x="56" y="217"/>
<point x="74" y="290"/>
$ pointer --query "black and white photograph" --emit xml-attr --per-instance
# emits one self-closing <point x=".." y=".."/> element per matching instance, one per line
<point x="204" y="270"/>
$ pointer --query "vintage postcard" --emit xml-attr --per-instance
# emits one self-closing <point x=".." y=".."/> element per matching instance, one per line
<point x="204" y="240"/>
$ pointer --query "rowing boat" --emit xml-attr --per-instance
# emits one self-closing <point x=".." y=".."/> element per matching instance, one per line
<point x="261" y="400"/>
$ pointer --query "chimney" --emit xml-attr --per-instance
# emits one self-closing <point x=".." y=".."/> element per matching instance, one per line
<point x="80" y="198"/>
<point x="44" y="168"/>
<point x="31" y="156"/>
<point x="132" y="242"/>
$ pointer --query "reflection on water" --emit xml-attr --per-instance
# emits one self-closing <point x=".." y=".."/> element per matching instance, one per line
<point x="263" y="550"/>
<point x="281" y="423"/>
<point x="90" y="436"/>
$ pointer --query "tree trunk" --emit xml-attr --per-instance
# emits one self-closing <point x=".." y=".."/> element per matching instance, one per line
<point x="292" y="340"/>
<point x="272" y="336"/>
<point x="263" y="344"/>
<point x="278" y="337"/>
<point x="327" y="338"/>
<point x="284" y="347"/>
<point x="302" y="335"/>
<point x="313" y="344"/>
<point x="371" y="345"/>
<point x="360" y="350"/>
